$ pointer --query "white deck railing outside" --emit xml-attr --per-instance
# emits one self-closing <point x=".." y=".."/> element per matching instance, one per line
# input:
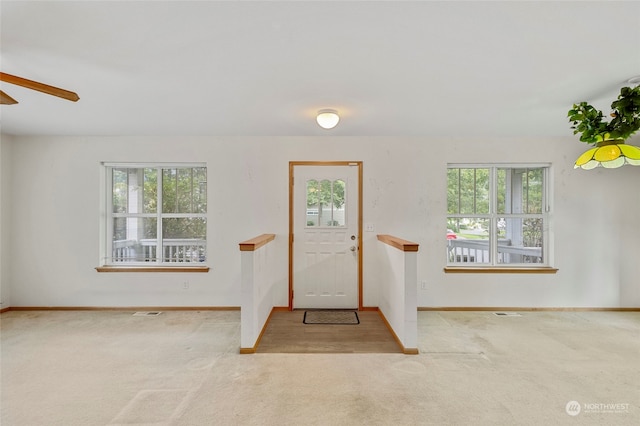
<point x="477" y="251"/>
<point x="173" y="250"/>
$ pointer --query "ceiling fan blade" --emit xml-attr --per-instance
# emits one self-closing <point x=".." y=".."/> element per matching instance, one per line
<point x="44" y="88"/>
<point x="6" y="99"/>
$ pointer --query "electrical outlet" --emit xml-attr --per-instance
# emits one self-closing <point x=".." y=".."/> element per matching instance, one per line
<point x="423" y="285"/>
<point x="185" y="285"/>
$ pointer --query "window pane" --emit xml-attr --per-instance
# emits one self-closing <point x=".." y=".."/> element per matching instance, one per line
<point x="468" y="191"/>
<point x="184" y="190"/>
<point x="481" y="191"/>
<point x="520" y="190"/>
<point x="532" y="184"/>
<point x="134" y="190"/>
<point x="520" y="240"/>
<point x="501" y="177"/>
<point x="134" y="239"/>
<point x="469" y="242"/>
<point x="453" y="191"/>
<point x="184" y="239"/>
<point x="120" y="190"/>
<point x="150" y="191"/>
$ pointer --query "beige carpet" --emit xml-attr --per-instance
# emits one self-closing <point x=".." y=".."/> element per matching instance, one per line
<point x="183" y="369"/>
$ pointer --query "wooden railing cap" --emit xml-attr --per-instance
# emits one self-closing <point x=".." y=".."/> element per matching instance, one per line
<point x="398" y="243"/>
<point x="257" y="242"/>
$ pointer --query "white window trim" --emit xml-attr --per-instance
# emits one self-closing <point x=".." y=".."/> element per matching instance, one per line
<point x="546" y="215"/>
<point x="106" y="222"/>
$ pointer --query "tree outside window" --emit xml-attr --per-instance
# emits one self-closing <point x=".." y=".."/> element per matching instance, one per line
<point x="325" y="202"/>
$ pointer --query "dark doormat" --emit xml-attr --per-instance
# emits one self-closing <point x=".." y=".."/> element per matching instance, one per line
<point x="331" y="317"/>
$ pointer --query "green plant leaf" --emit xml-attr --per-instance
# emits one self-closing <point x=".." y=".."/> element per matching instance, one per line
<point x="589" y="122"/>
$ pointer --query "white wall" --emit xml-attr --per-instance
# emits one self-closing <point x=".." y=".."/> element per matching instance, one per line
<point x="55" y="197"/>
<point x="258" y="283"/>
<point x="5" y="226"/>
<point x="398" y="293"/>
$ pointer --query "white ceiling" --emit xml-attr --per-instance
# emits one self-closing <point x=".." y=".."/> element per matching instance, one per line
<point x="450" y="68"/>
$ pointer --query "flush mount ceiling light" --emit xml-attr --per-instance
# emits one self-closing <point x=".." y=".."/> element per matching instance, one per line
<point x="328" y="118"/>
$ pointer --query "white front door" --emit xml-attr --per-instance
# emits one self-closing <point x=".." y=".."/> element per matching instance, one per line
<point x="325" y="236"/>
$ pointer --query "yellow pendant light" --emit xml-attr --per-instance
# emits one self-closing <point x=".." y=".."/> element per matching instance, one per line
<point x="609" y="154"/>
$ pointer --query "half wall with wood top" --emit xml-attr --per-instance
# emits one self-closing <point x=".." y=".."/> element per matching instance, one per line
<point x="257" y="282"/>
<point x="399" y="290"/>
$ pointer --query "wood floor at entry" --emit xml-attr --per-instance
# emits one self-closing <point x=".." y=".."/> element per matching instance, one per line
<point x="286" y="333"/>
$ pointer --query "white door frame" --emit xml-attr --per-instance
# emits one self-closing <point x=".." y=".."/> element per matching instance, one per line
<point x="292" y="165"/>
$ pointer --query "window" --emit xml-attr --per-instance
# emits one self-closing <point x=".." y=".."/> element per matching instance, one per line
<point x="325" y="203"/>
<point x="497" y="215"/>
<point x="156" y="214"/>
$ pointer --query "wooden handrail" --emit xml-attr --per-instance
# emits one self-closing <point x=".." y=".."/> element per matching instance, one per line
<point x="257" y="242"/>
<point x="399" y="243"/>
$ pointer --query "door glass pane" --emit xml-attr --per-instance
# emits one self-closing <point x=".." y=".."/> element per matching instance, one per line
<point x="338" y="203"/>
<point x="326" y="203"/>
<point x="312" y="203"/>
<point x="520" y="240"/>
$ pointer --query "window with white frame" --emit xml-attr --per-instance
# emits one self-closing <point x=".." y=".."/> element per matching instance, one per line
<point x="156" y="214"/>
<point x="497" y="215"/>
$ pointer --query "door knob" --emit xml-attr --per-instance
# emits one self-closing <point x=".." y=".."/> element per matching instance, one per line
<point x="352" y="248"/>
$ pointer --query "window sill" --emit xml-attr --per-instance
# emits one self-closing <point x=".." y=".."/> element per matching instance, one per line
<point x="152" y="269"/>
<point x="490" y="270"/>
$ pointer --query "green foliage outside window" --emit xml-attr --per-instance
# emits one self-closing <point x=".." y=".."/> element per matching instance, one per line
<point x="135" y="197"/>
<point x="324" y="198"/>
<point x="325" y="193"/>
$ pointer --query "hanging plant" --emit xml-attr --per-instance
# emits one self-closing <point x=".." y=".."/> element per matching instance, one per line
<point x="590" y="124"/>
